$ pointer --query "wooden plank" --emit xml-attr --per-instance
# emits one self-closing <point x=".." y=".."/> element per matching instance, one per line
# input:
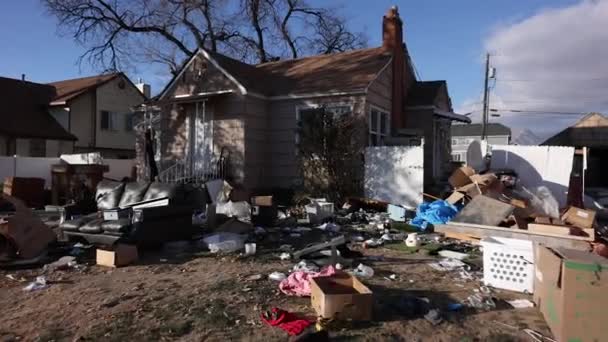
<point x="574" y="242"/>
<point x="485" y="211"/>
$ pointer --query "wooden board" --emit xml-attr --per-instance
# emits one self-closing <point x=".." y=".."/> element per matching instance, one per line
<point x="550" y="240"/>
<point x="485" y="211"/>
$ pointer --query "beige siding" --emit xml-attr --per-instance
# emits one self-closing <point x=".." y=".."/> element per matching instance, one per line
<point x="283" y="167"/>
<point x="110" y="97"/>
<point x="82" y="111"/>
<point x="201" y="76"/>
<point x="379" y="92"/>
<point x="256" y="143"/>
<point x="229" y="132"/>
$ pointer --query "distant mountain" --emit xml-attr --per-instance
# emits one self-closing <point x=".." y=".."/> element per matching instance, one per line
<point x="526" y="137"/>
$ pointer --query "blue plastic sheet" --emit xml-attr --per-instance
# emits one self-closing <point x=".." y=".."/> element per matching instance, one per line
<point x="438" y="212"/>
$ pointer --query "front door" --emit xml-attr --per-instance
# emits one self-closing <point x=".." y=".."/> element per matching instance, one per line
<point x="200" y="151"/>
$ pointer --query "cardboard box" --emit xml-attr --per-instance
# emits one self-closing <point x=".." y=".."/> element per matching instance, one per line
<point x="570" y="290"/>
<point x="579" y="217"/>
<point x="455" y="197"/>
<point x="461" y="177"/>
<point x="341" y="296"/>
<point x="121" y="255"/>
<point x="262" y="201"/>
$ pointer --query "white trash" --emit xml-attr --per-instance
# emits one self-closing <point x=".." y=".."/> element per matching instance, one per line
<point x="285" y="256"/>
<point x="277" y="276"/>
<point x="363" y="271"/>
<point x="38" y="284"/>
<point x="304" y="266"/>
<point x="250" y="248"/>
<point x="412" y="240"/>
<point x="225" y="242"/>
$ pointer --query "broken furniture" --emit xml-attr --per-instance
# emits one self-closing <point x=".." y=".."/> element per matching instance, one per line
<point x="23" y="235"/>
<point x="147" y="214"/>
<point x="65" y="176"/>
<point x="28" y="190"/>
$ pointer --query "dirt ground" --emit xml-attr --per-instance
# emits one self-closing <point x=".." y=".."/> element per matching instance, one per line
<point x="196" y="296"/>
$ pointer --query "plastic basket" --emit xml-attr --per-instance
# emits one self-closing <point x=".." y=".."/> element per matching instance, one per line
<point x="508" y="264"/>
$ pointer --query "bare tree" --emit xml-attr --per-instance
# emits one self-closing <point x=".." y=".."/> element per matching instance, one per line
<point x="330" y="153"/>
<point x="116" y="32"/>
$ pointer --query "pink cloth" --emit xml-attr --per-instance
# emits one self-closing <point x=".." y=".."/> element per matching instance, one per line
<point x="298" y="283"/>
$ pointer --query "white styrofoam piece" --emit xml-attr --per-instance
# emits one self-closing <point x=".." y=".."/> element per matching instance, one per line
<point x="508" y="264"/>
<point x="536" y="166"/>
<point x="82" y="158"/>
<point x="395" y="174"/>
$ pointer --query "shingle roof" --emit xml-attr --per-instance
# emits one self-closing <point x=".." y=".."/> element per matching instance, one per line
<point x="24" y="111"/>
<point x="338" y="72"/>
<point x="69" y="89"/>
<point x="589" y="131"/>
<point x="423" y="93"/>
<point x="345" y="71"/>
<point x="475" y="130"/>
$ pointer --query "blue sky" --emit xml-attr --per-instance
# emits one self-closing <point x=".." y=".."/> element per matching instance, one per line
<point x="447" y="39"/>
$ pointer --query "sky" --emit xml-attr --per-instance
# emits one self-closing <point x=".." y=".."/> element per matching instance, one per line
<point x="549" y="55"/>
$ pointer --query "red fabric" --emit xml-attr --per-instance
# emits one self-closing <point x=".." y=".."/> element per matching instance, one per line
<point x="287" y="321"/>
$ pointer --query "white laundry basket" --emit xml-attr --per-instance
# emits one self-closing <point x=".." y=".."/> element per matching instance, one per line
<point x="508" y="264"/>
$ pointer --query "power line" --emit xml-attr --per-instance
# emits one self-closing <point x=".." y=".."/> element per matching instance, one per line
<point x="536" y="111"/>
<point x="554" y="80"/>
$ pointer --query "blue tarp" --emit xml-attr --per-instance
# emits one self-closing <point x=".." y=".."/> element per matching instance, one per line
<point x="438" y="212"/>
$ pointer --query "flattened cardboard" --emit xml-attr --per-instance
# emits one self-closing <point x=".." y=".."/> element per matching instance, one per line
<point x="341" y="296"/>
<point x="460" y="177"/>
<point x="485" y="211"/>
<point x="120" y="255"/>
<point x="570" y="289"/>
<point x="455" y="197"/>
<point x="560" y="230"/>
<point x="579" y="217"/>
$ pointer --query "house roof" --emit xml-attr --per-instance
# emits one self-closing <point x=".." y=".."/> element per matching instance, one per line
<point x="424" y="93"/>
<point x="475" y="130"/>
<point x="69" y="89"/>
<point x="338" y="72"/>
<point x="589" y="131"/>
<point x="24" y="111"/>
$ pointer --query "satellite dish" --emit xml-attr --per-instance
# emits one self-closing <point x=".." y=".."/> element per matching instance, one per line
<point x="475" y="154"/>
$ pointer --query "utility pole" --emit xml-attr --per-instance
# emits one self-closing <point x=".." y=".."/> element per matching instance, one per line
<point x="486" y="100"/>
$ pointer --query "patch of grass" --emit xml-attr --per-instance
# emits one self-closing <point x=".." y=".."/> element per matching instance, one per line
<point x="402" y="247"/>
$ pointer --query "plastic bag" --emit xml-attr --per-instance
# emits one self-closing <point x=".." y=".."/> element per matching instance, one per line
<point x="363" y="271"/>
<point x="542" y="201"/>
<point x="225" y="242"/>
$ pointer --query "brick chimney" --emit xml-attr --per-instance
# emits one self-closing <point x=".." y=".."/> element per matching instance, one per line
<point x="392" y="41"/>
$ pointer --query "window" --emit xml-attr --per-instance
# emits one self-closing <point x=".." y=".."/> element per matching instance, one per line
<point x="454" y="141"/>
<point x="110" y="121"/>
<point x="379" y="127"/>
<point x="456" y="157"/>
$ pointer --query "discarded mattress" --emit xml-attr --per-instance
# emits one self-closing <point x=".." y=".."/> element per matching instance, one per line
<point x="438" y="212"/>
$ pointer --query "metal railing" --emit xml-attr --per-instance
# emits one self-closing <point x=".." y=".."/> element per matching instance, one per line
<point x="186" y="172"/>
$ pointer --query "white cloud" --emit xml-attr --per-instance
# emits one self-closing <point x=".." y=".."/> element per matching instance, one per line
<point x="556" y="60"/>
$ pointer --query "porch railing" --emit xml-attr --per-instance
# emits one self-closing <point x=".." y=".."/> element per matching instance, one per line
<point x="185" y="171"/>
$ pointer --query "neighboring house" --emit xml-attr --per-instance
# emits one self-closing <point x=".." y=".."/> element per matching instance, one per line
<point x="464" y="135"/>
<point x="26" y="125"/>
<point x="220" y="106"/>
<point x="592" y="132"/>
<point x="98" y="111"/>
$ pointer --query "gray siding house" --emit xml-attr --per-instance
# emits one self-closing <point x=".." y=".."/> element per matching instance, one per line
<point x="464" y="135"/>
<point x="217" y="107"/>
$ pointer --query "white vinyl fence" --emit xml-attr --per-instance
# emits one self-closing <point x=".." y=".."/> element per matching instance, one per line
<point x="395" y="174"/>
<point x="41" y="168"/>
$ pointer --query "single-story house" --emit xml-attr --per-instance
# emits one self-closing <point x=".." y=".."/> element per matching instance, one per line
<point x="27" y="124"/>
<point x="249" y="114"/>
<point x="591" y="131"/>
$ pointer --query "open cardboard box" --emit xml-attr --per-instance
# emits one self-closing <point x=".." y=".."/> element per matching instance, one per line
<point x="570" y="290"/>
<point x="341" y="296"/>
